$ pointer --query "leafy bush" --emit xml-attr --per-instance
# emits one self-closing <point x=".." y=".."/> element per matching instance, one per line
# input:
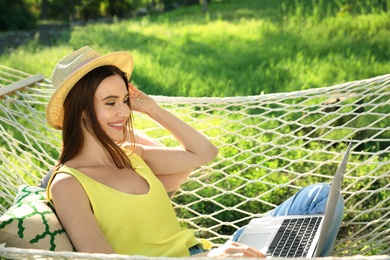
<point x="15" y="15"/>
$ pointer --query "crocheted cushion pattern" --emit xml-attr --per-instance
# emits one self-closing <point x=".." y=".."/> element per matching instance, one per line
<point x="31" y="223"/>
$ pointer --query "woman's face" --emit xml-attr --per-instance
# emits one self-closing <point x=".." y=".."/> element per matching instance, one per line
<point x="112" y="106"/>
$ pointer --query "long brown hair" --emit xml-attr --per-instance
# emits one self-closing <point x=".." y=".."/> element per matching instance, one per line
<point x="81" y="99"/>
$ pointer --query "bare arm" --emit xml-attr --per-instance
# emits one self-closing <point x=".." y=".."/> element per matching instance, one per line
<point x="171" y="181"/>
<point x="75" y="213"/>
<point x="195" y="149"/>
<point x="143" y="139"/>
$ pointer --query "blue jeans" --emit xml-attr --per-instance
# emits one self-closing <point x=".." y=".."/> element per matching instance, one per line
<point x="309" y="200"/>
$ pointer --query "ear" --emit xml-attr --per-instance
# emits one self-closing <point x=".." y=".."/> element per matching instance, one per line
<point x="86" y="123"/>
<point x="83" y="115"/>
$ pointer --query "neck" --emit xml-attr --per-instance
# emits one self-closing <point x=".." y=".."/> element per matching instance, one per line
<point x="92" y="153"/>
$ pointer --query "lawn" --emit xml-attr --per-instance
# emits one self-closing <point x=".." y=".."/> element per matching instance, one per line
<point x="237" y="48"/>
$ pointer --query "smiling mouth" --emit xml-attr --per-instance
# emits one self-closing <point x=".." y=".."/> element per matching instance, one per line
<point x="116" y="125"/>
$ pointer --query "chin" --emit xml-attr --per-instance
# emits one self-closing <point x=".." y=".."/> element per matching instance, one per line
<point x="117" y="140"/>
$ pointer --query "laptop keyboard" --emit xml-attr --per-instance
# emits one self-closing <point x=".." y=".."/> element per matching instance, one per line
<point x="294" y="237"/>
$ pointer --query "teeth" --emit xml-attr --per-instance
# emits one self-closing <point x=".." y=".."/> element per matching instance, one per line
<point x="117" y="125"/>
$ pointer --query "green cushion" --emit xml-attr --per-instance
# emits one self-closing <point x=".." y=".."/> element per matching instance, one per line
<point x="31" y="223"/>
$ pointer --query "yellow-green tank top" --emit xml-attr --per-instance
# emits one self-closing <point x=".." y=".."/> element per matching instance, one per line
<point x="136" y="224"/>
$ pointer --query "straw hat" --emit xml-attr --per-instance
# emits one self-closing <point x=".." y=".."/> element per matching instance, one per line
<point x="71" y="69"/>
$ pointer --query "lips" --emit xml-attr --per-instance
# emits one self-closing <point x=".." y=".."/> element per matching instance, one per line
<point x="117" y="126"/>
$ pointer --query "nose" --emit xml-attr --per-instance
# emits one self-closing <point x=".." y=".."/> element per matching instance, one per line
<point x="123" y="110"/>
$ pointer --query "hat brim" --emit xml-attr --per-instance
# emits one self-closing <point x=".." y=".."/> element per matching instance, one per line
<point x="55" y="107"/>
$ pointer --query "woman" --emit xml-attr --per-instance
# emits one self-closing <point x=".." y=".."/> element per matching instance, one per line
<point x="110" y="192"/>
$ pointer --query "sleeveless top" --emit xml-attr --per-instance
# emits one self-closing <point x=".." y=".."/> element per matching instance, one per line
<point x="143" y="224"/>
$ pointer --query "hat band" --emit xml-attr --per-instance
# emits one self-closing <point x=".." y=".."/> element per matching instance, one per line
<point x="81" y="64"/>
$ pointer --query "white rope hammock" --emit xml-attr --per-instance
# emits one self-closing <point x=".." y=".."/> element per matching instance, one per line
<point x="270" y="146"/>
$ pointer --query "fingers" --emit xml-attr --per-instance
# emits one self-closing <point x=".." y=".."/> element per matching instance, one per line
<point x="134" y="92"/>
<point x="141" y="102"/>
<point x="236" y="250"/>
<point x="241" y="250"/>
<point x="131" y="87"/>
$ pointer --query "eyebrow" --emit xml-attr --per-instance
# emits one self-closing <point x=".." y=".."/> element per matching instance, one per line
<point x="113" y="97"/>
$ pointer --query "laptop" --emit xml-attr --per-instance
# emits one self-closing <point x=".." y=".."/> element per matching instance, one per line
<point x="301" y="236"/>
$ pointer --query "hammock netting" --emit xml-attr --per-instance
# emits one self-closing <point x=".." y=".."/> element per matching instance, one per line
<point x="270" y="146"/>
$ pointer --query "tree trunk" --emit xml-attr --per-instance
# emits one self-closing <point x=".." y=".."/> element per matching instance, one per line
<point x="205" y="6"/>
<point x="44" y="10"/>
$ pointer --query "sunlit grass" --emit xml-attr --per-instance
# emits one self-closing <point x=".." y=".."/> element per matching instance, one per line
<point x="237" y="48"/>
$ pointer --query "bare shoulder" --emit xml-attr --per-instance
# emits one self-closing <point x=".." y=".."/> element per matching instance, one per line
<point x="65" y="185"/>
<point x="63" y="179"/>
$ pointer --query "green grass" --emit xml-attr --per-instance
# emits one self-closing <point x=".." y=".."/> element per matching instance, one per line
<point x="237" y="48"/>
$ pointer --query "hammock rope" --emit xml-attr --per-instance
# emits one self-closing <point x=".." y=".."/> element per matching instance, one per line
<point x="270" y="146"/>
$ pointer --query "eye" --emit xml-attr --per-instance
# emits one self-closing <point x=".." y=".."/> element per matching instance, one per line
<point x="126" y="101"/>
<point x="111" y="103"/>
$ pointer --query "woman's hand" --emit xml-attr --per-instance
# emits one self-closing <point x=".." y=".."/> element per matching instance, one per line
<point x="140" y="102"/>
<point x="234" y="249"/>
